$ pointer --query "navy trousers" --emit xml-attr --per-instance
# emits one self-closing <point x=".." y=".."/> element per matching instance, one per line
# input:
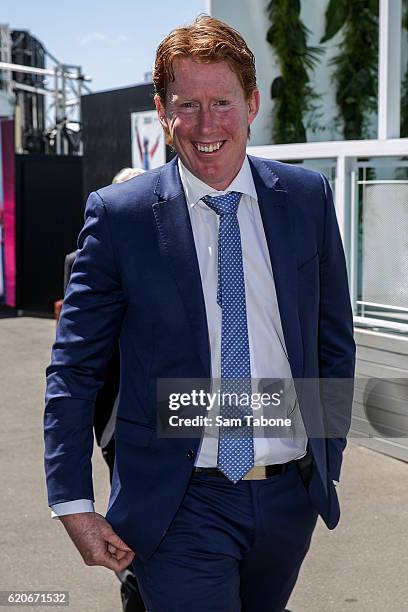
<point x="231" y="548"/>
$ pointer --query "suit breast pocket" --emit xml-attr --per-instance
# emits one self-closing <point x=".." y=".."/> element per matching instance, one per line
<point x="308" y="274"/>
<point x="309" y="262"/>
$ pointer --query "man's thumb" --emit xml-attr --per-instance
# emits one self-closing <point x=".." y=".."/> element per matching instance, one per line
<point x="115" y="540"/>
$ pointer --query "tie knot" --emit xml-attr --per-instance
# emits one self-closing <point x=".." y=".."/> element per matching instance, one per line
<point x="226" y="204"/>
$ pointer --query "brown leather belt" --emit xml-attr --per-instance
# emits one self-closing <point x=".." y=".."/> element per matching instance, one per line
<point x="258" y="472"/>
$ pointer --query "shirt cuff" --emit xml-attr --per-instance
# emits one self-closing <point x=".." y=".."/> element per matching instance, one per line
<point x="335" y="482"/>
<point x="72" y="507"/>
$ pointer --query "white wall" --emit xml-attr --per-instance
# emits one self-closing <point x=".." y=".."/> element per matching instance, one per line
<point x="250" y="19"/>
<point x="313" y="16"/>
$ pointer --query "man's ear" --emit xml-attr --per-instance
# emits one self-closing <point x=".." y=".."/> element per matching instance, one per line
<point x="161" y="112"/>
<point x="254" y="102"/>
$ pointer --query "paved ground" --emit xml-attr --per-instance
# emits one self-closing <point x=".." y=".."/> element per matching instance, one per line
<point x="362" y="566"/>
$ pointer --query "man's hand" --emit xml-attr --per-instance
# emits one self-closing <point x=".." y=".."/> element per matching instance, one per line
<point x="96" y="541"/>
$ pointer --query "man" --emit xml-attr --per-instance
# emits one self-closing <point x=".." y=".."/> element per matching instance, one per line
<point x="216" y="265"/>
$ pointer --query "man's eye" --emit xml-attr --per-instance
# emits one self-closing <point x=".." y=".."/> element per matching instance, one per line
<point x="187" y="105"/>
<point x="223" y="102"/>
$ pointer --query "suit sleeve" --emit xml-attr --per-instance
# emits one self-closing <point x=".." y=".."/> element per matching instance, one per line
<point x="87" y="332"/>
<point x="336" y="342"/>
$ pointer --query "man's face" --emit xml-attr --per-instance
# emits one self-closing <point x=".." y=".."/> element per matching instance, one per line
<point x="207" y="117"/>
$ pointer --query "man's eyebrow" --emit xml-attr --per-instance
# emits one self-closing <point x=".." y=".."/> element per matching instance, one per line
<point x="174" y="96"/>
<point x="182" y="96"/>
<point x="178" y="98"/>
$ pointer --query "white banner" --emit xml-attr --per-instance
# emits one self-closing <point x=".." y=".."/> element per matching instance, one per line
<point x="148" y="145"/>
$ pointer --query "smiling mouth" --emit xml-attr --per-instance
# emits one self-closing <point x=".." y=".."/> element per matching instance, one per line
<point x="209" y="147"/>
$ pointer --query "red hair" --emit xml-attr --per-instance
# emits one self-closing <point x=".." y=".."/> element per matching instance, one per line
<point x="207" y="40"/>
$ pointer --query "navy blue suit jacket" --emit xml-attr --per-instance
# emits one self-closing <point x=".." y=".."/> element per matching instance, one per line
<point x="136" y="278"/>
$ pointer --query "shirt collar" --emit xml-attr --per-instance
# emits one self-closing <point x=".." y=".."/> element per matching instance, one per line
<point x="195" y="189"/>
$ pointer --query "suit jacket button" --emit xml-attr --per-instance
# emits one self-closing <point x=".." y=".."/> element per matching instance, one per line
<point x="190" y="454"/>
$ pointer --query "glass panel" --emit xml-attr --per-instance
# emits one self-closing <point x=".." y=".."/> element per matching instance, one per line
<point x="383" y="241"/>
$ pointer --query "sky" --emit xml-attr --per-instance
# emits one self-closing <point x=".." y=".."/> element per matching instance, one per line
<point x="114" y="41"/>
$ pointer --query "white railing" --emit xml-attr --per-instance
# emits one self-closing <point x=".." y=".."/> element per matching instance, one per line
<point x="346" y="156"/>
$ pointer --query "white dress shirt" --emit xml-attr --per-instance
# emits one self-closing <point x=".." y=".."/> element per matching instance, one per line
<point x="268" y="354"/>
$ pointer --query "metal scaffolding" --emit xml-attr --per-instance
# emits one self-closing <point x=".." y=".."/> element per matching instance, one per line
<point x="47" y="101"/>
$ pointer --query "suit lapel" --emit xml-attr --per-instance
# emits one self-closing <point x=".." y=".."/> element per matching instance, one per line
<point x="276" y="218"/>
<point x="178" y="248"/>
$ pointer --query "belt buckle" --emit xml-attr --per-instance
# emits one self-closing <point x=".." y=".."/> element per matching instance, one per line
<point x="257" y="472"/>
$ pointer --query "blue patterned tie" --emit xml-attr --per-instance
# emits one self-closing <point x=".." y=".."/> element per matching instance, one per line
<point x="235" y="446"/>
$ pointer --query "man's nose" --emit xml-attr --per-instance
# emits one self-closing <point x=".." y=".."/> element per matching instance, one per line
<point x="206" y="120"/>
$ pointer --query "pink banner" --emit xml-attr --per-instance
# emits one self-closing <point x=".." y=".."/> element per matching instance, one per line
<point x="8" y="213"/>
